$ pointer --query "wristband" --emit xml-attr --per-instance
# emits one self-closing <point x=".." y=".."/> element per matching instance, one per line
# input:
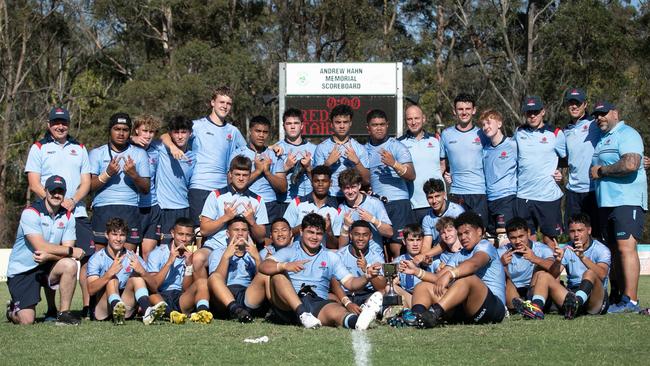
<point x="346" y="301"/>
<point x="453" y="274"/>
<point x="420" y="274"/>
<point x="345" y="228"/>
<point x="189" y="270"/>
<point x="279" y="266"/>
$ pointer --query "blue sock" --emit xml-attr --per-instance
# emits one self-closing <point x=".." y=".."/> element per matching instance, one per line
<point x="113" y="299"/>
<point x="350" y="321"/>
<point x="202" y="305"/>
<point x="539" y="300"/>
<point x="142" y="297"/>
<point x="582" y="295"/>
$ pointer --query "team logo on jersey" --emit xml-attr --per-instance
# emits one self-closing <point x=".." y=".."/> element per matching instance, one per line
<point x="503" y="155"/>
<point x="60" y="225"/>
<point x="128" y="269"/>
<point x="134" y="232"/>
<point x="531" y="102"/>
<point x="73" y="152"/>
<point x="229" y="137"/>
<point x="544" y="140"/>
<point x="606" y="142"/>
<point x="477" y="140"/>
<point x="323" y="265"/>
<point x="585" y="128"/>
<point x="429" y="144"/>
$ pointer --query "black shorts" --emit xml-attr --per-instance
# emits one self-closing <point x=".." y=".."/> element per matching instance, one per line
<point x="150" y="222"/>
<point x="168" y="218"/>
<point x="312" y="303"/>
<point x="172" y="298"/>
<point x="239" y="293"/>
<point x="524" y="293"/>
<point x="473" y="202"/>
<point x="492" y="311"/>
<point x="501" y="206"/>
<point x="197" y="198"/>
<point x="419" y="214"/>
<point x="281" y="208"/>
<point x="618" y="223"/>
<point x="545" y="215"/>
<point x="360" y="298"/>
<point x="25" y="288"/>
<point x="400" y="214"/>
<point x="584" y="202"/>
<point x="84" y="237"/>
<point x="273" y="210"/>
<point x="130" y="214"/>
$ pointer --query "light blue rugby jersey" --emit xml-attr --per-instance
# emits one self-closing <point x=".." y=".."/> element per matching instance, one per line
<point x="429" y="221"/>
<point x="213" y="209"/>
<point x="500" y="167"/>
<point x="384" y="180"/>
<point x="520" y="269"/>
<point x="150" y="199"/>
<point x="324" y="149"/>
<point x="350" y="262"/>
<point x="271" y="249"/>
<point x="303" y="184"/>
<point x="492" y="274"/>
<point x="299" y="207"/>
<point x="36" y="220"/>
<point x="629" y="190"/>
<point x="47" y="158"/>
<point x="426" y="161"/>
<point x="575" y="269"/>
<point x="537" y="159"/>
<point x="407" y="281"/>
<point x="377" y="209"/>
<point x="155" y="263"/>
<point x="241" y="270"/>
<point x="120" y="188"/>
<point x="261" y="185"/>
<point x="321" y="268"/>
<point x="581" y="139"/>
<point x="173" y="179"/>
<point x="464" y="152"/>
<point x="101" y="261"/>
<point x="213" y="146"/>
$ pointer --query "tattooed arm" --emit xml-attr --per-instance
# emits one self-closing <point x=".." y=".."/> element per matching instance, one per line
<point x="628" y="163"/>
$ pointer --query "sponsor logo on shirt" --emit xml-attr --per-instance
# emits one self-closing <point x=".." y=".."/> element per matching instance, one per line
<point x="209" y="133"/>
<point x="51" y="152"/>
<point x="607" y="142"/>
<point x="453" y="142"/>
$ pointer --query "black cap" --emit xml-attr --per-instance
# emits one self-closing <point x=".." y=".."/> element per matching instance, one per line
<point x="54" y="182"/>
<point x="120" y="118"/>
<point x="59" y="114"/>
<point x="532" y="103"/>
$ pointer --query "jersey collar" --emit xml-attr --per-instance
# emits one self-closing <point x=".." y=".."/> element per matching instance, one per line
<point x="40" y="206"/>
<point x="329" y="200"/>
<point x="48" y="138"/>
<point x="353" y="251"/>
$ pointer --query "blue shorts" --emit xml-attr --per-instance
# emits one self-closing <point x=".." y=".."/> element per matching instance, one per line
<point x="618" y="223"/>
<point x="359" y="298"/>
<point x="150" y="222"/>
<point x="312" y="303"/>
<point x="545" y="215"/>
<point x="130" y="214"/>
<point x="172" y="298"/>
<point x="239" y="293"/>
<point x="84" y="237"/>
<point x="585" y="202"/>
<point x="25" y="288"/>
<point x="476" y="203"/>
<point x="400" y="214"/>
<point x="167" y="220"/>
<point x="197" y="198"/>
<point x="419" y="214"/>
<point x="501" y="206"/>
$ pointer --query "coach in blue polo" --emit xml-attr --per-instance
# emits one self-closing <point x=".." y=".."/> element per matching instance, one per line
<point x="622" y="196"/>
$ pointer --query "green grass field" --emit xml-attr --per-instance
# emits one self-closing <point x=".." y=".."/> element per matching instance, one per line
<point x="601" y="340"/>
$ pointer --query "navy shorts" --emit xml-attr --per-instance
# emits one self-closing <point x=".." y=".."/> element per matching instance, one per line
<point x="492" y="311"/>
<point x="545" y="215"/>
<point x="172" y="298"/>
<point x="584" y="202"/>
<point x="360" y="298"/>
<point x="197" y="198"/>
<point x="473" y="202"/>
<point x="281" y="208"/>
<point x="150" y="224"/>
<point x="168" y="218"/>
<point x="419" y="214"/>
<point x="501" y="206"/>
<point x="274" y="210"/>
<point x="400" y="214"/>
<point x="239" y="293"/>
<point x="130" y="214"/>
<point x="85" y="238"/>
<point x="312" y="303"/>
<point x="621" y="222"/>
<point x="25" y="288"/>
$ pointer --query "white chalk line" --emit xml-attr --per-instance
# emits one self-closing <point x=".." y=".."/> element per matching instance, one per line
<point x="361" y="347"/>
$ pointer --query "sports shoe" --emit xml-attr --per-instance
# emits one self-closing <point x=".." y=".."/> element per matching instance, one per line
<point x="176" y="317"/>
<point x="51" y="316"/>
<point x="570" y="305"/>
<point x="426" y="320"/>
<point x="370" y="310"/>
<point x="154" y="312"/>
<point x="201" y="317"/>
<point x="85" y="313"/>
<point x="11" y="312"/>
<point x="625" y="306"/>
<point x="66" y="318"/>
<point x="119" y="310"/>
<point x="242" y="315"/>
<point x="309" y="321"/>
<point x="528" y="309"/>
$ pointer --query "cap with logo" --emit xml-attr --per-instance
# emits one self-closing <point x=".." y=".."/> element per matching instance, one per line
<point x="54" y="182"/>
<point x="575" y="94"/>
<point x="59" y="114"/>
<point x="119" y="118"/>
<point x="532" y="103"/>
<point x="603" y="106"/>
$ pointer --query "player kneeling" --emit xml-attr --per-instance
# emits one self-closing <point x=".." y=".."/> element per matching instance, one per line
<point x="470" y="289"/>
<point x="232" y="269"/>
<point x="300" y="280"/>
<point x="587" y="263"/>
<point x="170" y="268"/>
<point x="116" y="280"/>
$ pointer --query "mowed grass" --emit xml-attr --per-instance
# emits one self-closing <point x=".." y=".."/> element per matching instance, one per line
<point x="596" y="340"/>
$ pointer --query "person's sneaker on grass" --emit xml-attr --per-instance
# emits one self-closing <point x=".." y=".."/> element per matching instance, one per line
<point x="154" y="312"/>
<point x="50" y="316"/>
<point x="201" y="317"/>
<point x="529" y="310"/>
<point x="66" y="318"/>
<point x="12" y="310"/>
<point x="242" y="315"/>
<point x="370" y="311"/>
<point x="427" y="320"/>
<point x="176" y="317"/>
<point x="309" y="321"/>
<point x="119" y="310"/>
<point x="625" y="306"/>
<point x="85" y="313"/>
<point x="570" y="305"/>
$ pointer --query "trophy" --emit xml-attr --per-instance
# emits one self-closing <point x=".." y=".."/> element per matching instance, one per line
<point x="391" y="297"/>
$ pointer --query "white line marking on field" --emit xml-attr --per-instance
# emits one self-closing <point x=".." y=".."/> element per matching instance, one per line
<point x="361" y="347"/>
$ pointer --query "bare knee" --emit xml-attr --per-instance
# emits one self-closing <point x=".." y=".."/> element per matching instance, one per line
<point x="68" y="266"/>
